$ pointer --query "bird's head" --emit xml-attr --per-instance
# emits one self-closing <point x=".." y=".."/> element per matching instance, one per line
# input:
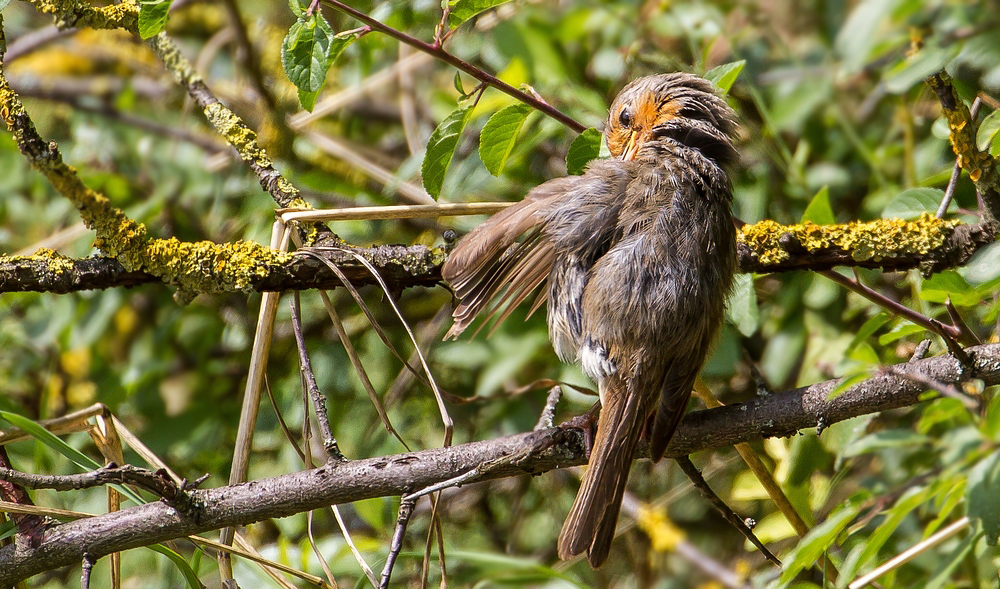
<point x="677" y="106"/>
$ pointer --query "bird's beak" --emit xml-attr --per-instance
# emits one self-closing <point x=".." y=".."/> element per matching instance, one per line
<point x="631" y="147"/>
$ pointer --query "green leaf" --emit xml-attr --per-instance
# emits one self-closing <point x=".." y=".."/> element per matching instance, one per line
<point x="441" y="147"/>
<point x="983" y="495"/>
<point x="585" y="147"/>
<point x="497" y="140"/>
<point x="949" y="284"/>
<point x="741" y="307"/>
<point x="819" y="210"/>
<point x="812" y="546"/>
<point x="943" y="575"/>
<point x="458" y="84"/>
<point x="51" y="440"/>
<point x="910" y="204"/>
<point x="308" y="99"/>
<point x="189" y="575"/>
<point x="308" y="50"/>
<point x="848" y="381"/>
<point x="56" y="443"/>
<point x="914" y="70"/>
<point x="902" y="330"/>
<point x="891" y="438"/>
<point x="866" y="331"/>
<point x="725" y="75"/>
<point x="988" y="131"/>
<point x="463" y="10"/>
<point x="153" y="17"/>
<point x="909" y="502"/>
<point x="297" y="9"/>
<point x="7" y="529"/>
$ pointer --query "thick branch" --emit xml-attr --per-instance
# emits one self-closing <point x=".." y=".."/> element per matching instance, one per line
<point x="764" y="247"/>
<point x="400" y="266"/>
<point x="780" y="414"/>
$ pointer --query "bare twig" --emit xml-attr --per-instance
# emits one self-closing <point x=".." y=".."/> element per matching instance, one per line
<point x="309" y="383"/>
<point x="447" y="57"/>
<point x="736" y="521"/>
<point x="549" y="412"/>
<point x="910" y="553"/>
<point x="946" y="390"/>
<point x="946" y="331"/>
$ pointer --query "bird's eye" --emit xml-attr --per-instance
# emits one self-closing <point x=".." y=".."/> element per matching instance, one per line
<point x="625" y="118"/>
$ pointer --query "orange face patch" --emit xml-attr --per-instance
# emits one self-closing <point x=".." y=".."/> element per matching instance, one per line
<point x="645" y="114"/>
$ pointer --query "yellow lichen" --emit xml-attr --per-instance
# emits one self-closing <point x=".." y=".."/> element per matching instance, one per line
<point x="864" y="241"/>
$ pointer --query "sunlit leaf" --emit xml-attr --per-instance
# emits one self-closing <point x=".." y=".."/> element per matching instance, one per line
<point x="866" y="331"/>
<point x="441" y="148"/>
<point x="983" y="495"/>
<point x="51" y="440"/>
<point x="819" y="210"/>
<point x="724" y="76"/>
<point x="914" y="70"/>
<point x="35" y="430"/>
<point x="893" y="438"/>
<point x="741" y="307"/>
<point x="308" y="99"/>
<point x="499" y="135"/>
<point x="463" y="10"/>
<point x="152" y="17"/>
<point x="988" y="131"/>
<point x="811" y="547"/>
<point x="586" y="147"/>
<point x="307" y="52"/>
<point x="949" y="284"/>
<point x="902" y="330"/>
<point x="910" y="204"/>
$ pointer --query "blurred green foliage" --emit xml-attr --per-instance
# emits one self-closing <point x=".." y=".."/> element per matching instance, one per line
<point x="836" y="126"/>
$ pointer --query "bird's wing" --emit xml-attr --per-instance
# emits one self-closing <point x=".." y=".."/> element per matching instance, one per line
<point x="506" y="258"/>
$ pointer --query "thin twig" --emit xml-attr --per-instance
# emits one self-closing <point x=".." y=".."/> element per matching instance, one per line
<point x="446" y="420"/>
<point x="946" y="390"/>
<point x="910" y="553"/>
<point x="309" y="383"/>
<point x="359" y="368"/>
<point x="548" y="416"/>
<point x="475" y="72"/>
<point x="88" y="567"/>
<point x="933" y="325"/>
<point x="736" y="521"/>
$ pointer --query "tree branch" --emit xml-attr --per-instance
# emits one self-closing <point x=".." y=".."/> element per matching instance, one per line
<point x="931" y="245"/>
<point x="779" y="414"/>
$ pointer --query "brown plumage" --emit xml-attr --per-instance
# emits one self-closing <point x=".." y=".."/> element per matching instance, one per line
<point x="638" y="255"/>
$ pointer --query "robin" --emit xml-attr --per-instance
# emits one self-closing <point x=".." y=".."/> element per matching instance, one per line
<point x="638" y="254"/>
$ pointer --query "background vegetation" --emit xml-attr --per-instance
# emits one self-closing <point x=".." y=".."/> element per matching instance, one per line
<point x="837" y="126"/>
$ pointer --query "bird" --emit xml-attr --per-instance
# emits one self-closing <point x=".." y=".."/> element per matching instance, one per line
<point x="635" y="259"/>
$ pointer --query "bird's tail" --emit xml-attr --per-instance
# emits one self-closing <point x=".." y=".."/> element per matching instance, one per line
<point x="590" y="525"/>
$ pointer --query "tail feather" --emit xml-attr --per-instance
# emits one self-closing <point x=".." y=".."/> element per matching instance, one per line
<point x="590" y="525"/>
<point x="670" y="410"/>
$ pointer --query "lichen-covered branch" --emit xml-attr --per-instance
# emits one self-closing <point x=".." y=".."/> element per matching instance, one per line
<point x="777" y="414"/>
<point x="400" y="266"/>
<point x="929" y="244"/>
<point x="981" y="166"/>
<point x="193" y="267"/>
